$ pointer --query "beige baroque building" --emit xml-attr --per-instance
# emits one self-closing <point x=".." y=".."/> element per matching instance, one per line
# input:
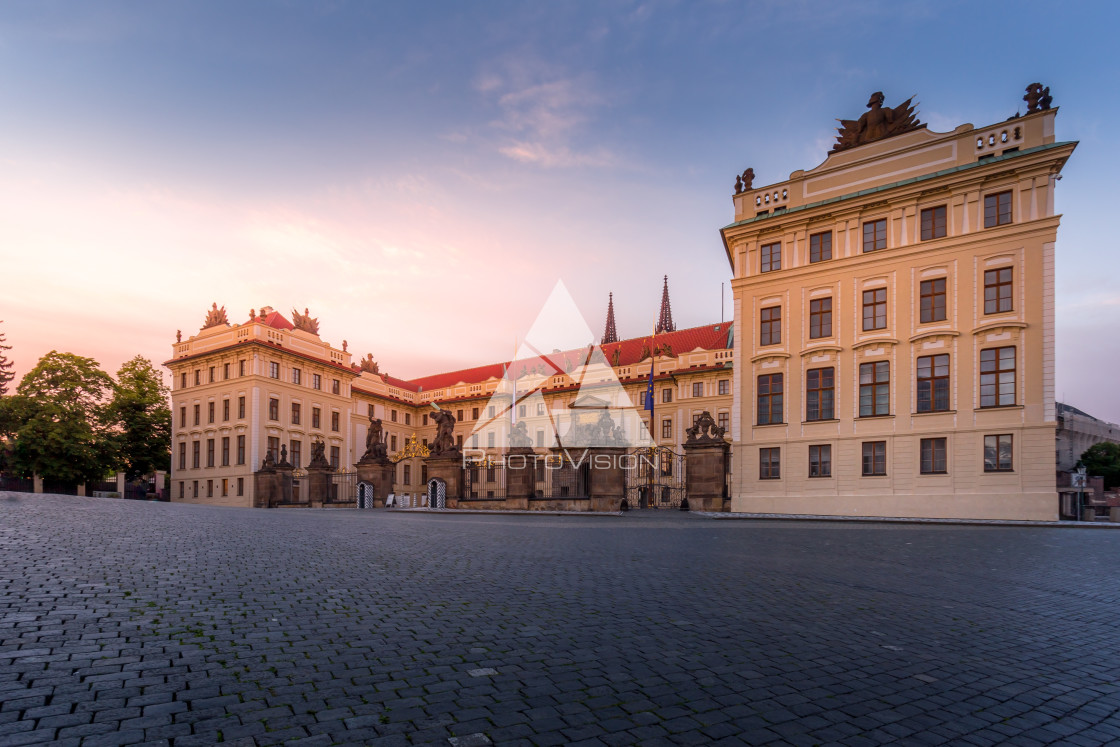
<point x="894" y="313"/>
<point x="269" y="383"/>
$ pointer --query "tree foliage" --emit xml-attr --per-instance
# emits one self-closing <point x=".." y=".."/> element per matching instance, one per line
<point x="6" y="372"/>
<point x="61" y="420"/>
<point x="1103" y="460"/>
<point x="142" y="417"/>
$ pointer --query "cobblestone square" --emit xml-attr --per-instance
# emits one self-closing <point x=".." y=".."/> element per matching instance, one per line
<point x="126" y="622"/>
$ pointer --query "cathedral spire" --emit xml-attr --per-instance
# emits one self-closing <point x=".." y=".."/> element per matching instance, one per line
<point x="610" y="334"/>
<point x="665" y="318"/>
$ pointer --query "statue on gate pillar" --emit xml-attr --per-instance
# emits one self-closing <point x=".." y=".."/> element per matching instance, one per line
<point x="444" y="443"/>
<point x="375" y="442"/>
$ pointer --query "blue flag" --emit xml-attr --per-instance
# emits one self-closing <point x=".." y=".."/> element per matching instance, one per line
<point x="649" y="388"/>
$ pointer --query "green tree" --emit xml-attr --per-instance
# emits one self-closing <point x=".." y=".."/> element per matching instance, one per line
<point x="61" y="420"/>
<point x="142" y="415"/>
<point x="1103" y="460"/>
<point x="6" y="373"/>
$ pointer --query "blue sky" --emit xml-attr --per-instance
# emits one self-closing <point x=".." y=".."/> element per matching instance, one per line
<point x="390" y="165"/>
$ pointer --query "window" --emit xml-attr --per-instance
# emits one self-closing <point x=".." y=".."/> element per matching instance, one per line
<point x="875" y="235"/>
<point x="874" y="458"/>
<point x="425" y="419"/>
<point x="197" y="377"/>
<point x="474" y="440"/>
<point x="240" y="451"/>
<point x="769" y="399"/>
<point x="393" y="442"/>
<point x="407" y="477"/>
<point x="771" y="258"/>
<point x="724" y="386"/>
<point x="820" y="318"/>
<point x="183" y="380"/>
<point x="875" y="309"/>
<point x="273" y="370"/>
<point x="667" y="428"/>
<point x="490" y="439"/>
<point x="723" y="421"/>
<point x="769" y="464"/>
<point x="225" y="451"/>
<point x="459" y="416"/>
<point x="997" y="453"/>
<point x="540" y="441"/>
<point x="183" y="416"/>
<point x="241" y="368"/>
<point x="997" y="209"/>
<point x="225" y="410"/>
<point x="819" y="394"/>
<point x="241" y="408"/>
<point x="210" y="412"/>
<point x="225" y="486"/>
<point x="874" y="388"/>
<point x="194" y="489"/>
<point x="295" y="413"/>
<point x="296" y="375"/>
<point x="196" y="454"/>
<point x="666" y="395"/>
<point x="697" y="389"/>
<point x="273" y="409"/>
<point x="274" y="447"/>
<point x="820" y="246"/>
<point x="241" y="486"/>
<point x="314" y="417"/>
<point x="540" y="408"/>
<point x="771" y="326"/>
<point x="408" y="418"/>
<point x="932" y="294"/>
<point x="521" y="411"/>
<point x="335" y="459"/>
<point x="335" y="386"/>
<point x="197" y="414"/>
<point x="933" y="223"/>
<point x="209" y="488"/>
<point x="181" y="486"/>
<point x="316" y="381"/>
<point x="997" y="377"/>
<point x="933" y="383"/>
<point x="213" y="375"/>
<point x="225" y="371"/>
<point x="294" y="453"/>
<point x="334" y="421"/>
<point x="182" y="456"/>
<point x="933" y="457"/>
<point x="820" y="460"/>
<point x="997" y="290"/>
<point x="369" y="409"/>
<point x="474" y="413"/>
<point x="490" y="411"/>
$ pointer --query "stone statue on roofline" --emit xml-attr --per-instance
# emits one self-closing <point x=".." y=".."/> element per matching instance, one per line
<point x="369" y="365"/>
<point x="305" y="322"/>
<point x="1038" y="98"/>
<point x="877" y="123"/>
<point x="215" y="317"/>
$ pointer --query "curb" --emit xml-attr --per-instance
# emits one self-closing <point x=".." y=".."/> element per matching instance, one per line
<point x="906" y="520"/>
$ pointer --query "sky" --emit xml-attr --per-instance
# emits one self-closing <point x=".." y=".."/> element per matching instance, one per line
<point x="420" y="175"/>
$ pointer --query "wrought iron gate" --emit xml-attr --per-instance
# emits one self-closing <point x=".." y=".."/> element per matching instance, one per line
<point x="655" y="479"/>
<point x="344" y="487"/>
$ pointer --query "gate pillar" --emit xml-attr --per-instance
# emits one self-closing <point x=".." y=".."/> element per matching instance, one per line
<point x="283" y="483"/>
<point x="705" y="475"/>
<point x="607" y="478"/>
<point x="448" y="468"/>
<point x="318" y="485"/>
<point x="521" y="477"/>
<point x="379" y="473"/>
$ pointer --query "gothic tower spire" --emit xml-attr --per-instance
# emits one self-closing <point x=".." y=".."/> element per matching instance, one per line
<point x="610" y="334"/>
<point x="665" y="318"/>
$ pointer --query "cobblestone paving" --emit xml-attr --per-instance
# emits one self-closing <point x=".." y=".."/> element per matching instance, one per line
<point x="125" y="622"/>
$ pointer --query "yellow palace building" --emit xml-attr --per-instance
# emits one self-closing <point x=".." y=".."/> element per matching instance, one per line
<point x="894" y="335"/>
<point x="270" y="384"/>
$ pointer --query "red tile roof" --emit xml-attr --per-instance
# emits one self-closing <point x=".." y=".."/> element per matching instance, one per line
<point x="274" y="319"/>
<point x="708" y="337"/>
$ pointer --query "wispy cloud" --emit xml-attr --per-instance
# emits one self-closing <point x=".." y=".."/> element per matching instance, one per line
<point x="544" y="113"/>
